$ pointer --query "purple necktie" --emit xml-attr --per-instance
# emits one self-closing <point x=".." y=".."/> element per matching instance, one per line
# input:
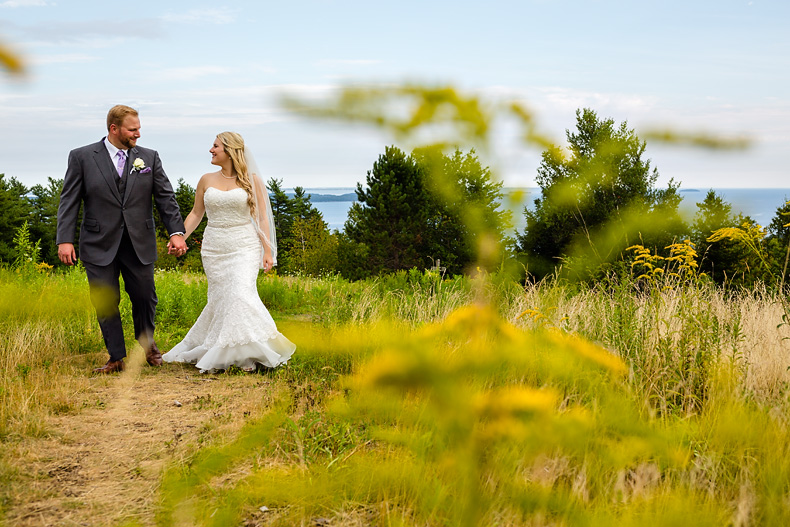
<point x="121" y="162"/>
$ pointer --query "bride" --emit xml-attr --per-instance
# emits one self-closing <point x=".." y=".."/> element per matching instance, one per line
<point x="234" y="328"/>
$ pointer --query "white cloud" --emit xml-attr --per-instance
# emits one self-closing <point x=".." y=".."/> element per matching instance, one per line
<point x="568" y="101"/>
<point x="201" y="16"/>
<point x="97" y="33"/>
<point x="69" y="58"/>
<point x="347" y="62"/>
<point x="190" y="73"/>
<point x="24" y="3"/>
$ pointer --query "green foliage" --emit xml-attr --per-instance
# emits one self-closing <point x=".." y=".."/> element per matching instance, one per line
<point x="312" y="249"/>
<point x="44" y="218"/>
<point x="282" y="207"/>
<point x="185" y="197"/>
<point x="391" y="214"/>
<point x="286" y="210"/>
<point x="779" y="228"/>
<point x="723" y="259"/>
<point x="26" y="253"/>
<point x="191" y="262"/>
<point x="422" y="208"/>
<point x="467" y="224"/>
<point x="778" y="242"/>
<point x="748" y="241"/>
<point x="352" y="257"/>
<point x="304" y="243"/>
<point x="14" y="212"/>
<point x="597" y="200"/>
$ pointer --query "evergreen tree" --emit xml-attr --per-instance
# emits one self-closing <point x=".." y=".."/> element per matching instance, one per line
<point x="302" y="208"/>
<point x="15" y="209"/>
<point x="726" y="259"/>
<point x="44" y="218"/>
<point x="291" y="253"/>
<point x="419" y="209"/>
<point x="185" y="197"/>
<point x="597" y="199"/>
<point x="391" y="216"/>
<point x="282" y="208"/>
<point x="352" y="257"/>
<point x="779" y="240"/>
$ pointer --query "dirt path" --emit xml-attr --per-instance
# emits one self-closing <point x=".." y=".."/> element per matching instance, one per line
<point x="102" y="466"/>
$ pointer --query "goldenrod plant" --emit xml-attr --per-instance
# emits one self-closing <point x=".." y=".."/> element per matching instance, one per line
<point x="11" y="61"/>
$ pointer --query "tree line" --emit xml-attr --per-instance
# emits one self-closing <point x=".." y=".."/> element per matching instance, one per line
<point x="427" y="209"/>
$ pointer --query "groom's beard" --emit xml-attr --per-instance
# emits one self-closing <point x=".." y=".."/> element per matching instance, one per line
<point x="128" y="142"/>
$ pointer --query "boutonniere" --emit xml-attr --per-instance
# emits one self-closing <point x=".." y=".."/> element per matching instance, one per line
<point x="139" y="166"/>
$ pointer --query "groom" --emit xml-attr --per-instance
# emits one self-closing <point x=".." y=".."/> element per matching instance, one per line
<point x="115" y="180"/>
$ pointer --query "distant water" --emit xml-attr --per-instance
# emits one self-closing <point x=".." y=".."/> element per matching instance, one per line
<point x="758" y="203"/>
<point x="335" y="212"/>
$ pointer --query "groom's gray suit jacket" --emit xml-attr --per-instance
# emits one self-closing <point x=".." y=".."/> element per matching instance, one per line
<point x="92" y="179"/>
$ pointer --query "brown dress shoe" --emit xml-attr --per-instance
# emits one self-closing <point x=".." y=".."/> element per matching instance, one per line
<point x="112" y="366"/>
<point x="153" y="356"/>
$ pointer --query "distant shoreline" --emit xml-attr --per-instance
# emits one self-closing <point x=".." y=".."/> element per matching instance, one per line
<point x="323" y="198"/>
<point x="758" y="203"/>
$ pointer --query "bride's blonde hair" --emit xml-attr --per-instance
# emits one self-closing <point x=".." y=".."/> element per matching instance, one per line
<point x="233" y="144"/>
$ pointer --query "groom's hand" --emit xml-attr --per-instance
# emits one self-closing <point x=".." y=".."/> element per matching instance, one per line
<point x="177" y="245"/>
<point x="67" y="254"/>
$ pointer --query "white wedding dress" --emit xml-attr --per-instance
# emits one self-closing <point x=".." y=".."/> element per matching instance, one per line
<point x="234" y="328"/>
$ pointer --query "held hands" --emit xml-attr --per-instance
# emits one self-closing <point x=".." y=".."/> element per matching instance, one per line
<point x="177" y="246"/>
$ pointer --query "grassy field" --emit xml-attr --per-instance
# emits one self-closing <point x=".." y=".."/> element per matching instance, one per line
<point x="411" y="400"/>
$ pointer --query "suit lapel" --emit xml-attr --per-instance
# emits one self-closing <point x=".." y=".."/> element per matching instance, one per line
<point x="110" y="173"/>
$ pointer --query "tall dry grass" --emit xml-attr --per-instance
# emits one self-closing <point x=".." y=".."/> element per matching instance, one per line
<point x="46" y="331"/>
<point x="673" y="337"/>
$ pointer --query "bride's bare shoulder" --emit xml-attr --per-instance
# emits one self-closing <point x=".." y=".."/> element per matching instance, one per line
<point x="211" y="175"/>
<point x="207" y="179"/>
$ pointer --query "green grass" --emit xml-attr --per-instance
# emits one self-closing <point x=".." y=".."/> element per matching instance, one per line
<point x="414" y="400"/>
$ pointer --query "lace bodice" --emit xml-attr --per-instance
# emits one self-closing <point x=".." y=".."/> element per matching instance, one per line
<point x="226" y="208"/>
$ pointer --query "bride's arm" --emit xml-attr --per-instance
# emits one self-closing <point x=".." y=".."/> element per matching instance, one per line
<point x="195" y="216"/>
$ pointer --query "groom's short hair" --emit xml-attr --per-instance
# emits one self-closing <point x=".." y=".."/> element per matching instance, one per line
<point x="117" y="114"/>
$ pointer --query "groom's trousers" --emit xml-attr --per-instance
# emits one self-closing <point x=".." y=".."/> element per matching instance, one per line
<point x="105" y="292"/>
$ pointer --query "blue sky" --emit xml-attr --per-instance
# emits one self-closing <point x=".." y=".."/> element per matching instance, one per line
<point x="194" y="69"/>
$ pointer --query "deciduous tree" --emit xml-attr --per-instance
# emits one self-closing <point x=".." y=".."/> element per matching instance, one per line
<point x="312" y="249"/>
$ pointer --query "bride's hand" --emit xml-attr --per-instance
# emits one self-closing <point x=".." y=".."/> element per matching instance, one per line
<point x="268" y="263"/>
